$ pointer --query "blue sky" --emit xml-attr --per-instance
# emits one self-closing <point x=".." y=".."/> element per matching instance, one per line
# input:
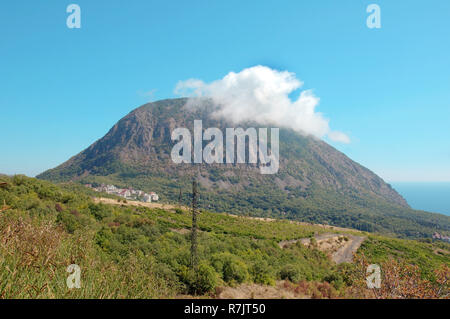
<point x="388" y="89"/>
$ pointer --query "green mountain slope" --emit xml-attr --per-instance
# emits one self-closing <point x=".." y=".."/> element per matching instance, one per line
<point x="138" y="252"/>
<point x="315" y="182"/>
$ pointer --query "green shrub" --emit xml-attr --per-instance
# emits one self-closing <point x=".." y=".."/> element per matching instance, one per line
<point x="233" y="269"/>
<point x="290" y="272"/>
<point x="99" y="211"/>
<point x="207" y="279"/>
<point x="200" y="282"/>
<point x="261" y="273"/>
<point x="68" y="221"/>
<point x="163" y="271"/>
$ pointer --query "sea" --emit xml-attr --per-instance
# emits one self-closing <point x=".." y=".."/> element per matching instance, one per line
<point x="431" y="196"/>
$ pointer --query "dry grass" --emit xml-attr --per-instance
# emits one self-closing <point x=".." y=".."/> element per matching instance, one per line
<point x="34" y="257"/>
<point x="255" y="291"/>
<point x="282" y="290"/>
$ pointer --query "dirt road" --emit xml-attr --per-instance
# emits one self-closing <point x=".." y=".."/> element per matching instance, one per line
<point x="111" y="201"/>
<point x="345" y="253"/>
<point x="341" y="251"/>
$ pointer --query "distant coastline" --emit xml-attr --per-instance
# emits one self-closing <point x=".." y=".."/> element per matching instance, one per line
<point x="429" y="196"/>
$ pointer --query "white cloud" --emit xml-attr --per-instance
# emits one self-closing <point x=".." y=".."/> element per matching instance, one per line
<point x="340" y="137"/>
<point x="261" y="94"/>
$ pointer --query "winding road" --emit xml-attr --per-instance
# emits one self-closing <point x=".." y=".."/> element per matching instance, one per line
<point x="345" y="253"/>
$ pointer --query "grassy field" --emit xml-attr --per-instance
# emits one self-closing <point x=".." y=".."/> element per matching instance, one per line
<point x="127" y="251"/>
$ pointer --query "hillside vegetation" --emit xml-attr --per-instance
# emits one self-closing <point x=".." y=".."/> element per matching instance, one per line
<point x="315" y="182"/>
<point x="139" y="252"/>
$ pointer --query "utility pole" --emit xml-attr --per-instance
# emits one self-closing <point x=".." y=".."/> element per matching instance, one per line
<point x="194" y="256"/>
<point x="179" y="198"/>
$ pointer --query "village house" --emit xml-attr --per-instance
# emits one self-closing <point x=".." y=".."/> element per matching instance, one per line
<point x="436" y="235"/>
<point x="147" y="198"/>
<point x="128" y="193"/>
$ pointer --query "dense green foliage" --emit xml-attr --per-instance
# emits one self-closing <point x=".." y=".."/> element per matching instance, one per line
<point x="314" y="206"/>
<point x="128" y="251"/>
<point x="379" y="249"/>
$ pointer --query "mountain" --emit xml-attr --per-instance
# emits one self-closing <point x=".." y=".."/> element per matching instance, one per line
<point x="315" y="182"/>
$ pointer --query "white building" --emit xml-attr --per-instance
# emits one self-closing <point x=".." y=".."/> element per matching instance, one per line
<point x="110" y="188"/>
<point x="147" y="198"/>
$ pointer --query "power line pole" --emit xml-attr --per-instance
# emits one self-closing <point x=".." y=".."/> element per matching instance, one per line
<point x="194" y="256"/>
<point x="179" y="198"/>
